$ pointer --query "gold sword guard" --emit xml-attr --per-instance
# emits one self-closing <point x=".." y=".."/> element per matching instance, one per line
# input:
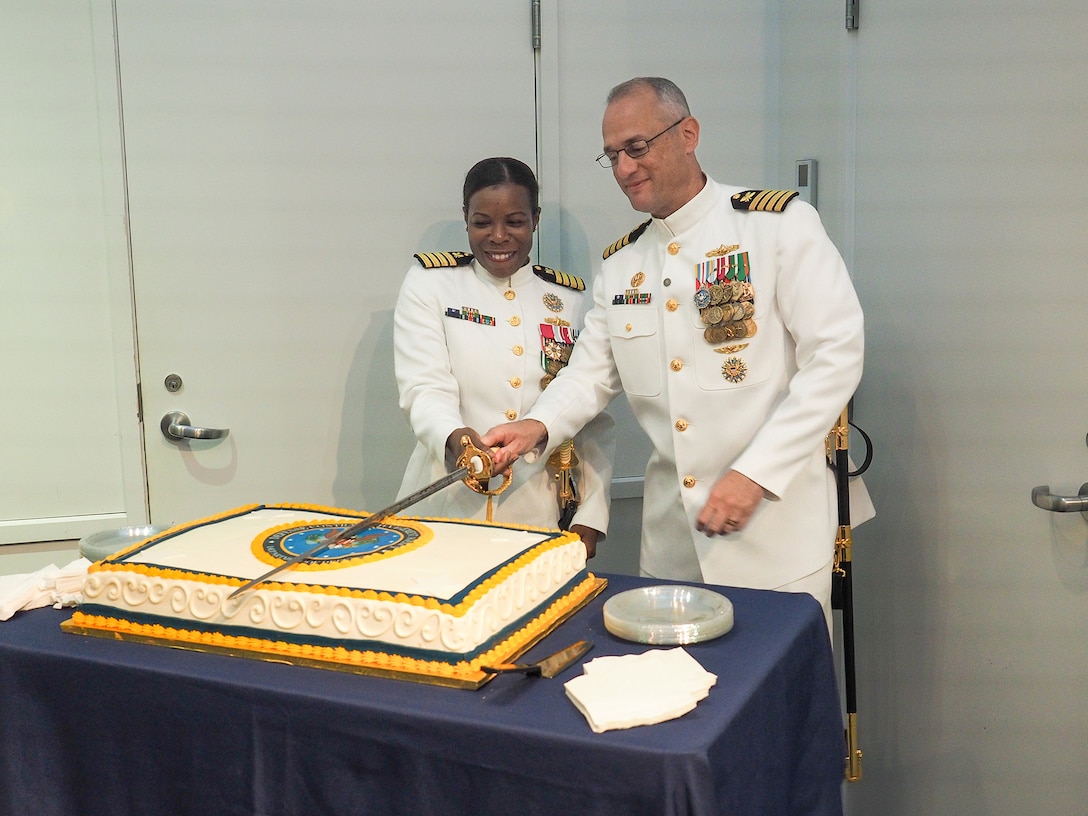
<point x="480" y="482"/>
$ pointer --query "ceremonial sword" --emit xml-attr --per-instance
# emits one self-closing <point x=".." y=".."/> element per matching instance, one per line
<point x="839" y="441"/>
<point x="476" y="465"/>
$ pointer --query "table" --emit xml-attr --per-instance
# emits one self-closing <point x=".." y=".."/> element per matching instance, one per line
<point x="91" y="726"/>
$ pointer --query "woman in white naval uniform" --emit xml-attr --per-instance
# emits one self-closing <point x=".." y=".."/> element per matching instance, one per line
<point x="476" y="338"/>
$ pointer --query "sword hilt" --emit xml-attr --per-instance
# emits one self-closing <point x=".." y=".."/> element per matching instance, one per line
<point x="563" y="460"/>
<point x="478" y="478"/>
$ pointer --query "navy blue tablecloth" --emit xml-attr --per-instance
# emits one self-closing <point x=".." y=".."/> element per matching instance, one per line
<point x="90" y="726"/>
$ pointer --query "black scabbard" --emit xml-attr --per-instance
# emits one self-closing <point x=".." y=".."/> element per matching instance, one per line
<point x="842" y="595"/>
<point x="567" y="515"/>
<point x="846" y="582"/>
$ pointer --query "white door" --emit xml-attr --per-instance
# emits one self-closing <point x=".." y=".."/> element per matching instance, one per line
<point x="284" y="161"/>
<point x="69" y="459"/>
<point x="971" y="240"/>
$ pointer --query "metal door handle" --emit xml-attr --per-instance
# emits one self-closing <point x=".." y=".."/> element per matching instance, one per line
<point x="175" y="425"/>
<point x="1042" y="497"/>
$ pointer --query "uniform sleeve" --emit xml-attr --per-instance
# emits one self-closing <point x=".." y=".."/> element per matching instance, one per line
<point x="429" y="394"/>
<point x="595" y="446"/>
<point x="821" y="312"/>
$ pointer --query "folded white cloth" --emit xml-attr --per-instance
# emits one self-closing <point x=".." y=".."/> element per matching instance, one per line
<point x="51" y="585"/>
<point x="643" y="689"/>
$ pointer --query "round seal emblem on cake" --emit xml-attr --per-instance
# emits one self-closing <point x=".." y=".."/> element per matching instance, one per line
<point x="380" y="541"/>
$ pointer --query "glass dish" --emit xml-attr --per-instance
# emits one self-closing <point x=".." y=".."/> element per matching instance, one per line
<point x="672" y="614"/>
<point x="101" y="545"/>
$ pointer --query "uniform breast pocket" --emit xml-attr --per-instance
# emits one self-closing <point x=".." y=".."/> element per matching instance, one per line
<point x="636" y="348"/>
<point x="736" y="363"/>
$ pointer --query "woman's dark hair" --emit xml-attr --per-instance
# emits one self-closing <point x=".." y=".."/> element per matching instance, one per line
<point x="502" y="170"/>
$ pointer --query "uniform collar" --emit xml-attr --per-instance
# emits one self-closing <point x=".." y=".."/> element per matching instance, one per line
<point x="519" y="278"/>
<point x="691" y="213"/>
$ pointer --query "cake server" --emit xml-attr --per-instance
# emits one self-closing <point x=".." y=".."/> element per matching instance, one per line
<point x="550" y="666"/>
<point x="475" y="464"/>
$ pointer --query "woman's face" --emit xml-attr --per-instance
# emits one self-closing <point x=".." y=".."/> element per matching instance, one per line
<point x="500" y="225"/>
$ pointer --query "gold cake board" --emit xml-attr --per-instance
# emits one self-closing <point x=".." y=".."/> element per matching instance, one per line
<point x="469" y="680"/>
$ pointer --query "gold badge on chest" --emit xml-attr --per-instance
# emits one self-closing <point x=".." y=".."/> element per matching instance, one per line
<point x="734" y="369"/>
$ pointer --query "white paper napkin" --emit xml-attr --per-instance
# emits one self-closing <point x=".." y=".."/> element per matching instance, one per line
<point x="643" y="689"/>
<point x="51" y="585"/>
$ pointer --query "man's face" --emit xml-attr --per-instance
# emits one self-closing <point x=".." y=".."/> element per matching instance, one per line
<point x="658" y="182"/>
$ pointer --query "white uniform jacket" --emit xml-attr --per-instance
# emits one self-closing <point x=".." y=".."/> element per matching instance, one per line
<point x="760" y="404"/>
<point x="468" y="350"/>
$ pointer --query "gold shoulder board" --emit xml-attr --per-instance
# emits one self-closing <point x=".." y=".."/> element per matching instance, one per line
<point x="562" y="278"/>
<point x="763" y="200"/>
<point x="436" y="260"/>
<point x="629" y="238"/>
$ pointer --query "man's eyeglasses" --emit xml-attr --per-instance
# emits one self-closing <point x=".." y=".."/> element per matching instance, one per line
<point x="608" y="159"/>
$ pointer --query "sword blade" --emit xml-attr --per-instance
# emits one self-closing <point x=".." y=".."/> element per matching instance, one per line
<point x="355" y="529"/>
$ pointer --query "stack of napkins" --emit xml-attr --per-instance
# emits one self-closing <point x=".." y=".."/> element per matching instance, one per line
<point x="51" y="585"/>
<point x="622" y="692"/>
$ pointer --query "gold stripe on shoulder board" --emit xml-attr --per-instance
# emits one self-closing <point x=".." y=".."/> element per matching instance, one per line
<point x="439" y="260"/>
<point x="629" y="238"/>
<point x="763" y="200"/>
<point x="561" y="278"/>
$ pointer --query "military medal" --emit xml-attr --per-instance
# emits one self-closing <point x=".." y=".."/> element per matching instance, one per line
<point x="553" y="302"/>
<point x="471" y="315"/>
<point x="632" y="295"/>
<point x="716" y="334"/>
<point x="712" y="315"/>
<point x="553" y="365"/>
<point x="725" y="297"/>
<point x="556" y="344"/>
<point x="734" y="369"/>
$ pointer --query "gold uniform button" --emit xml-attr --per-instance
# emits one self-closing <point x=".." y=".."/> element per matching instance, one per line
<point x="676" y="365"/>
<point x="509" y="294"/>
<point x="674" y="248"/>
<point x="511" y="414"/>
<point x="518" y="351"/>
<point x="681" y="425"/>
<point x="689" y="481"/>
<point x="516" y="382"/>
<point x="515" y="321"/>
<point x="628" y="327"/>
<point x="672" y="304"/>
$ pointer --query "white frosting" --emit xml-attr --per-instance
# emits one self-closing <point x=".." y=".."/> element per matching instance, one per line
<point x="450" y="563"/>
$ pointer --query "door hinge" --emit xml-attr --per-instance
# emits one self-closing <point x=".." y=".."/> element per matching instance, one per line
<point x="536" y="24"/>
<point x="853" y="12"/>
<point x="139" y="403"/>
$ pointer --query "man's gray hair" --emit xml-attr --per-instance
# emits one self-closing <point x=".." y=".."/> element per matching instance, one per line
<point x="670" y="96"/>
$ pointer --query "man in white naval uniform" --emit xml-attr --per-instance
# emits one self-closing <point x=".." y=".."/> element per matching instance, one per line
<point x="737" y="402"/>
